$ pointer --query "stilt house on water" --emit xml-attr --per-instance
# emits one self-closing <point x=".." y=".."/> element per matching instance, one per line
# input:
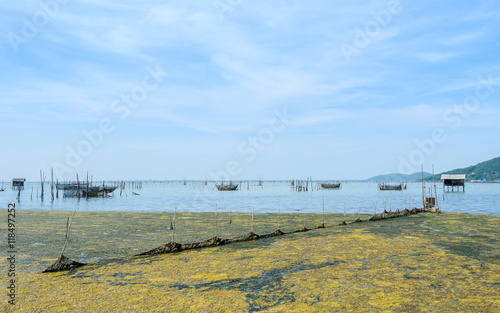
<point x="18" y="183"/>
<point x="453" y="180"/>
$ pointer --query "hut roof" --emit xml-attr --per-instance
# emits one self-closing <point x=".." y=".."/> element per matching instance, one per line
<point x="453" y="176"/>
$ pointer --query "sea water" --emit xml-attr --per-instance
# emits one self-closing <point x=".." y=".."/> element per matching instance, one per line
<point x="271" y="197"/>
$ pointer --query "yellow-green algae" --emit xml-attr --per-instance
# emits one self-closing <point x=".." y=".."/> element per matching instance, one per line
<point x="420" y="263"/>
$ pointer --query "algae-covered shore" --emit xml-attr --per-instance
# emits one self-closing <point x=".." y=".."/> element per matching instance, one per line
<point x="420" y="263"/>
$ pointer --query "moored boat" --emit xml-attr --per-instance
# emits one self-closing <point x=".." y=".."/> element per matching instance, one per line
<point x="330" y="185"/>
<point x="230" y="187"/>
<point x="387" y="186"/>
<point x="76" y="190"/>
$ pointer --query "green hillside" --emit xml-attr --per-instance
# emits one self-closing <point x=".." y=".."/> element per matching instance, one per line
<point x="399" y="177"/>
<point x="488" y="170"/>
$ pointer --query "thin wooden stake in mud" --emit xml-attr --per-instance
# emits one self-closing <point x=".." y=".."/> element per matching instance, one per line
<point x="252" y="220"/>
<point x="279" y="211"/>
<point x="68" y="227"/>
<point x="305" y="217"/>
<point x="344" y="223"/>
<point x="63" y="263"/>
<point x="216" y="222"/>
<point x="404" y="206"/>
<point x="359" y="213"/>
<point x="323" y="222"/>
<point x="173" y="226"/>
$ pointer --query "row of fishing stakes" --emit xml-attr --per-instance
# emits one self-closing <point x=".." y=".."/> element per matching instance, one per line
<point x="64" y="263"/>
<point x="375" y="202"/>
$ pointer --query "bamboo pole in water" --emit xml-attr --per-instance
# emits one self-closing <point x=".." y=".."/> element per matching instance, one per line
<point x="87" y="185"/>
<point x="42" y="180"/>
<point x="435" y="189"/>
<point x="52" y="183"/>
<point x="423" y="188"/>
<point x="77" y="186"/>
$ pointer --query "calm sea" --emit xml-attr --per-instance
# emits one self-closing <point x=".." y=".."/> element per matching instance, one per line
<point x="361" y="197"/>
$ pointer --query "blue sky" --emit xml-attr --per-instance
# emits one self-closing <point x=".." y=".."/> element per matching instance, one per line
<point x="247" y="89"/>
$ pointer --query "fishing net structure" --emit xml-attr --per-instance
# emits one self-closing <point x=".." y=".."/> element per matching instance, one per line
<point x="400" y="213"/>
<point x="63" y="264"/>
<point x="215" y="241"/>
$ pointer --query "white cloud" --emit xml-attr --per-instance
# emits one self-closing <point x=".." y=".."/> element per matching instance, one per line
<point x="436" y="56"/>
<point x="226" y="76"/>
<point x="319" y="117"/>
<point x="464" y="38"/>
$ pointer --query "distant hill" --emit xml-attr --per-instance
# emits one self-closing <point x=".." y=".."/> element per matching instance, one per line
<point x="487" y="170"/>
<point x="399" y="177"/>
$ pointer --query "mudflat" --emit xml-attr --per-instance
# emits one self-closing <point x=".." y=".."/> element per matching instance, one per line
<point x="418" y="263"/>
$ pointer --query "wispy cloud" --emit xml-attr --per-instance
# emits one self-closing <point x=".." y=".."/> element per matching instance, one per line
<point x="465" y="38"/>
<point x="436" y="56"/>
<point x="227" y="76"/>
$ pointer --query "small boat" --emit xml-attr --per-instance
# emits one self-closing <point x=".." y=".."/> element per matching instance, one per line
<point x="386" y="186"/>
<point x="330" y="185"/>
<point x="229" y="187"/>
<point x="75" y="190"/>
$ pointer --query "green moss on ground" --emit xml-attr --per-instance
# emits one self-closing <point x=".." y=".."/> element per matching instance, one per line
<point x="419" y="263"/>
